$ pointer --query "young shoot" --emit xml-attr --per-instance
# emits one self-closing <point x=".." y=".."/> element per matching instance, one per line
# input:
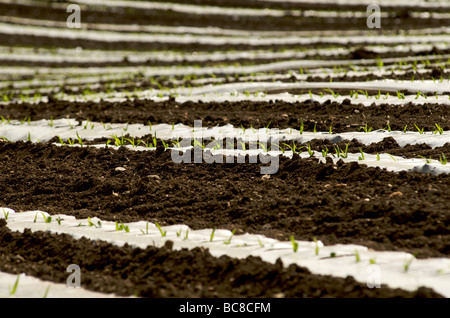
<point x="357" y="257"/>
<point x="310" y="152"/>
<point x="420" y="130"/>
<point x="163" y="233"/>
<point x="13" y="289"/>
<point x="366" y="129"/>
<point x="211" y="238"/>
<point x="317" y="246"/>
<point x="227" y="242"/>
<point x="362" y="155"/>
<point x="407" y="264"/>
<point x="6" y="214"/>
<point x="146" y="229"/>
<point x="294" y="244"/>
<point x="47" y="219"/>
<point x="443" y="159"/>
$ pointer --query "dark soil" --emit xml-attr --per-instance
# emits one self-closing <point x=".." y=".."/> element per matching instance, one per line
<point x="343" y="117"/>
<point x="162" y="272"/>
<point x="343" y="203"/>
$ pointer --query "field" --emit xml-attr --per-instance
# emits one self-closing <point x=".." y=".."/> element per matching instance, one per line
<point x="224" y="149"/>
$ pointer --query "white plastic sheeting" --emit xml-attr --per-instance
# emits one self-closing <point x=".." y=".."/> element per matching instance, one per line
<point x="389" y="267"/>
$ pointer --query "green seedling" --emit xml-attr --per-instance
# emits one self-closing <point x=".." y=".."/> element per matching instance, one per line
<point x="70" y="141"/>
<point x="404" y="129"/>
<point x="439" y="129"/>
<point x="427" y="160"/>
<point x="310" y="152"/>
<point x="146" y="229"/>
<point x="420" y="130"/>
<point x="407" y="264"/>
<point x="317" y="246"/>
<point x="212" y="235"/>
<point x="331" y="130"/>
<point x="29" y="137"/>
<point x="122" y="227"/>
<point x="388" y="127"/>
<point x="90" y="223"/>
<point x="443" y="159"/>
<point x="80" y="140"/>
<point x="362" y="155"/>
<point x="366" y="129"/>
<point x="400" y="95"/>
<point x="46" y="292"/>
<point x="60" y="140"/>
<point x="179" y="233"/>
<point x="51" y="122"/>
<point x="131" y="141"/>
<point x="392" y="157"/>
<point x="227" y="242"/>
<point x="294" y="244"/>
<point x="58" y="219"/>
<point x="302" y="127"/>
<point x="332" y="254"/>
<point x="329" y="90"/>
<point x="325" y="152"/>
<point x="186" y="235"/>
<point x="260" y="243"/>
<point x="163" y="233"/>
<point x="46" y="219"/>
<point x="372" y="261"/>
<point x="357" y="257"/>
<point x="378" y="157"/>
<point x="13" y="290"/>
<point x="6" y="214"/>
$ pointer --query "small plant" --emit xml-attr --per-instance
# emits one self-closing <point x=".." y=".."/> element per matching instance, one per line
<point x="186" y="235"/>
<point x="163" y="233"/>
<point x="227" y="242"/>
<point x="325" y="151"/>
<point x="302" y="127"/>
<point x="420" y="130"/>
<point x="6" y="214"/>
<point x="310" y="152"/>
<point x="317" y="246"/>
<point x="427" y="160"/>
<point x="357" y="257"/>
<point x="80" y="140"/>
<point x="46" y="292"/>
<point x="362" y="155"/>
<point x="13" y="290"/>
<point x="294" y="244"/>
<point x="407" y="264"/>
<point x="51" y="122"/>
<point x="404" y="129"/>
<point x="439" y="129"/>
<point x="212" y="235"/>
<point x="58" y="219"/>
<point x="260" y="243"/>
<point x="443" y="159"/>
<point x="122" y="227"/>
<point x="47" y="219"/>
<point x="146" y="229"/>
<point x="366" y="129"/>
<point x="372" y="261"/>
